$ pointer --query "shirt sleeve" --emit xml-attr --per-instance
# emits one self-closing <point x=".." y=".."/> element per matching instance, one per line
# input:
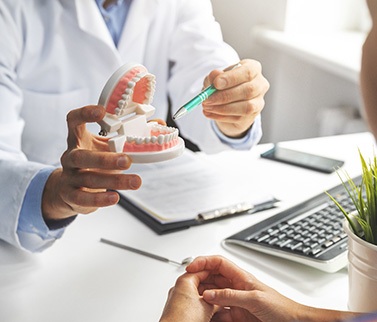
<point x="33" y="232"/>
<point x="196" y="47"/>
<point x="251" y="138"/>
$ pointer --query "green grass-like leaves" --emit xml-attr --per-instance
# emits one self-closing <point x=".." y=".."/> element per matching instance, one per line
<point x="364" y="197"/>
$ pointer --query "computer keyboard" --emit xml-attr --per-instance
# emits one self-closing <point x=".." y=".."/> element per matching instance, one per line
<point x="310" y="232"/>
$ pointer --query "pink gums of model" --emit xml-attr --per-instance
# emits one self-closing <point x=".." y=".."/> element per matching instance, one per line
<point x="127" y="97"/>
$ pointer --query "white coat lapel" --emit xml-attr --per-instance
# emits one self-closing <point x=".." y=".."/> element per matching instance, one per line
<point x="134" y="37"/>
<point x="90" y="20"/>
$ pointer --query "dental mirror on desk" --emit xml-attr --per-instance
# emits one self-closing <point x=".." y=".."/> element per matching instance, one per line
<point x="186" y="261"/>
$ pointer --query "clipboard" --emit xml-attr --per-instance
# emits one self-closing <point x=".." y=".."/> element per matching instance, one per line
<point x="200" y="219"/>
<point x="190" y="191"/>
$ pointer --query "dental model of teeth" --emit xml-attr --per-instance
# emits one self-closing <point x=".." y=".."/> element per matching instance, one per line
<point x="126" y="97"/>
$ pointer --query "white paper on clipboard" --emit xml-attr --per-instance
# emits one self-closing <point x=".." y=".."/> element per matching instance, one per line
<point x="182" y="188"/>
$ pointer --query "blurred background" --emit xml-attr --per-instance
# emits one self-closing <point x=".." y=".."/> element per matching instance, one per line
<point x="310" y="52"/>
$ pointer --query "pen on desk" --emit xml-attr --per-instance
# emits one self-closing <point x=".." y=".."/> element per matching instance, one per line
<point x="239" y="208"/>
<point x="185" y="261"/>
<point x="198" y="99"/>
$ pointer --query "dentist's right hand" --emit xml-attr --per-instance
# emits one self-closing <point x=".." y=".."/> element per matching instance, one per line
<point x="242" y="297"/>
<point x="90" y="172"/>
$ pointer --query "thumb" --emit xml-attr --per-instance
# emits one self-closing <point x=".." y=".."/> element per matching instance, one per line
<point x="227" y="297"/>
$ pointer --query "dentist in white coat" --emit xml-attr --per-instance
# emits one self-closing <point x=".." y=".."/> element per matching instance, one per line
<point x="56" y="56"/>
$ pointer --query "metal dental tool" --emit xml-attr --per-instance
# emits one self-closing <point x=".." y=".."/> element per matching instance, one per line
<point x="184" y="262"/>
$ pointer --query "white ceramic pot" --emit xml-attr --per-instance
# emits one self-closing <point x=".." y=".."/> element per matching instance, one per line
<point x="362" y="273"/>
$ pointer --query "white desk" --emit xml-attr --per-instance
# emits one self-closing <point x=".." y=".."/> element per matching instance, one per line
<point x="80" y="279"/>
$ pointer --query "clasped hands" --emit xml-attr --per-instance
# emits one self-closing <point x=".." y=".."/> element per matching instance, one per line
<point x="215" y="289"/>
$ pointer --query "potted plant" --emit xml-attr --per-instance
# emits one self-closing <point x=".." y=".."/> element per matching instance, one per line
<point x="361" y="228"/>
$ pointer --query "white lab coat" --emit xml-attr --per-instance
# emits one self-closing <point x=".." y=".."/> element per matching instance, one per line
<point x="56" y="55"/>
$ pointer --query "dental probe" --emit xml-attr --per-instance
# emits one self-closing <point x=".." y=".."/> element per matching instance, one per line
<point x="184" y="262"/>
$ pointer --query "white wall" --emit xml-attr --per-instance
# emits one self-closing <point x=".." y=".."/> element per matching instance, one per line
<point x="324" y="15"/>
<point x="238" y="17"/>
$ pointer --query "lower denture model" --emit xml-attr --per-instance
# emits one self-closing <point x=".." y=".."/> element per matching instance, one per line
<point x="126" y="97"/>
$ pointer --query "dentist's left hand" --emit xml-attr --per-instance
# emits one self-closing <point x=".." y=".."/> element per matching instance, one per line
<point x="89" y="173"/>
<point x="239" y="99"/>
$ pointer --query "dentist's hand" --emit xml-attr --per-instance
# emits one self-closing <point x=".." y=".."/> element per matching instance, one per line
<point x="239" y="99"/>
<point x="89" y="173"/>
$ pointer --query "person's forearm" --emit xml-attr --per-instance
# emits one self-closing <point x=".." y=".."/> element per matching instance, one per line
<point x="368" y="80"/>
<point x="311" y="314"/>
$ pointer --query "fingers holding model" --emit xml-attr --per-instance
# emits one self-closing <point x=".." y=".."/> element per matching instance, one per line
<point x="89" y="172"/>
<point x="239" y="98"/>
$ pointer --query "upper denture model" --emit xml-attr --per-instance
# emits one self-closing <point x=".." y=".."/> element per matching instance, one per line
<point x="127" y="98"/>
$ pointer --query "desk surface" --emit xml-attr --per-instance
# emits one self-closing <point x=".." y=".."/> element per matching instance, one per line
<point x="81" y="279"/>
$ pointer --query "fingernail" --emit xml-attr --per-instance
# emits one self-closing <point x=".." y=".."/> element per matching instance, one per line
<point x="221" y="83"/>
<point x="123" y="162"/>
<point x="96" y="112"/>
<point x="209" y="295"/>
<point x="135" y="182"/>
<point x="113" y="198"/>
<point x="207" y="107"/>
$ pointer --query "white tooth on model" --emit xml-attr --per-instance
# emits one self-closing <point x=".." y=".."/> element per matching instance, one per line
<point x="160" y="139"/>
